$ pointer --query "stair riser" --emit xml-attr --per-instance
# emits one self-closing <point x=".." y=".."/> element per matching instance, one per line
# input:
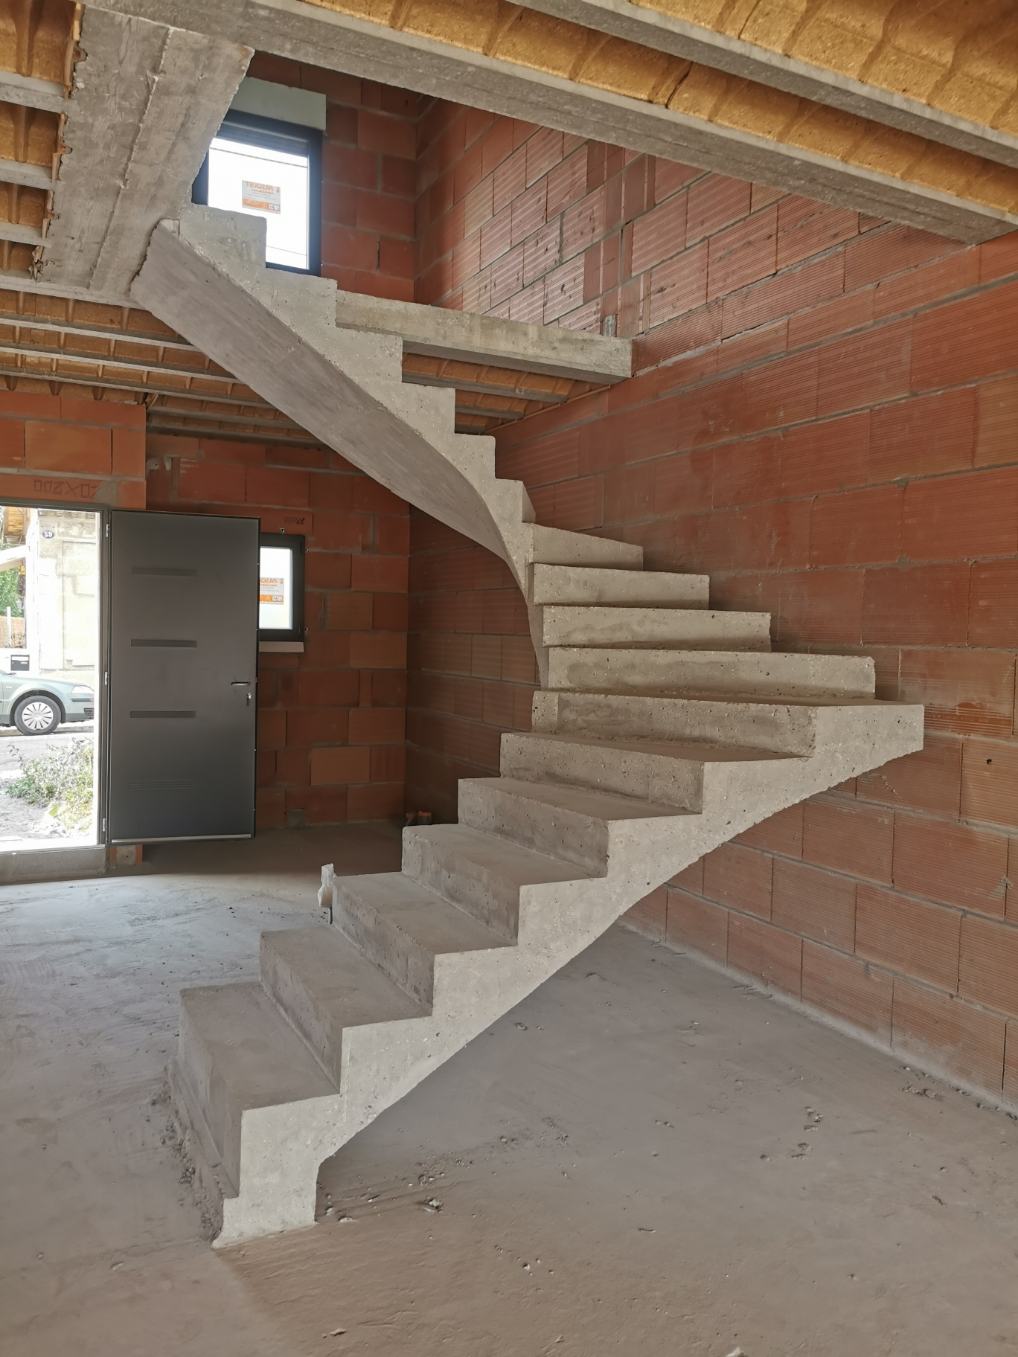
<point x="786" y="730"/>
<point x="669" y="782"/>
<point x="298" y="1006"/>
<point x="222" y="1118"/>
<point x="547" y="829"/>
<point x="591" y="587"/>
<point x="395" y="954"/>
<point x="493" y="901"/>
<point x="555" y="546"/>
<point x="768" y="676"/>
<point x="699" y="629"/>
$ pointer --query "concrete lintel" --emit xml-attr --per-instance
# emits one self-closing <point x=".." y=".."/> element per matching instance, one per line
<point x="696" y="42"/>
<point x="31" y="92"/>
<point x="487" y="339"/>
<point x="327" y="38"/>
<point x="24" y="175"/>
<point x="147" y="101"/>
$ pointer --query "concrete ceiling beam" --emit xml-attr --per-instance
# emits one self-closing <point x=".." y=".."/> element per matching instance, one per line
<point x="30" y="92"/>
<point x="22" y="235"/>
<point x="25" y="175"/>
<point x="325" y="34"/>
<point x="113" y="359"/>
<point x="49" y="326"/>
<point x="155" y="424"/>
<point x="658" y="24"/>
<point x="147" y="101"/>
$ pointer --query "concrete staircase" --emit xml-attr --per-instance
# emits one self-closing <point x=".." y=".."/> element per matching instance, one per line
<point x="662" y="730"/>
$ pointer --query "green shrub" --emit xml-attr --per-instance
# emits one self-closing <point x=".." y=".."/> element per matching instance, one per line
<point x="60" y="779"/>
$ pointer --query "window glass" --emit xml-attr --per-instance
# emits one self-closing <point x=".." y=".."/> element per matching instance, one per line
<point x="275" y="589"/>
<point x="268" y="183"/>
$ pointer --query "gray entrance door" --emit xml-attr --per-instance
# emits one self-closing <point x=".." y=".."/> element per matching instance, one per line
<point x="183" y="650"/>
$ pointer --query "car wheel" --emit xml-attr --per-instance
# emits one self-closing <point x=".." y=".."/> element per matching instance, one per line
<point x="36" y="715"/>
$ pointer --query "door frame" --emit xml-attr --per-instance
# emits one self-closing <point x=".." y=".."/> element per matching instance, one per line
<point x="102" y="513"/>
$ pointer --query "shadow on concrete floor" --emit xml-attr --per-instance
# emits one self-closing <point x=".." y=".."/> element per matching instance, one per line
<point x="289" y="851"/>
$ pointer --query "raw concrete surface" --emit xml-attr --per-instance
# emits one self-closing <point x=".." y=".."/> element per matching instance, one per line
<point x="645" y="1156"/>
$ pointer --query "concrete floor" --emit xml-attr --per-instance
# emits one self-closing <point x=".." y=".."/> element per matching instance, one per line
<point x="645" y="1157"/>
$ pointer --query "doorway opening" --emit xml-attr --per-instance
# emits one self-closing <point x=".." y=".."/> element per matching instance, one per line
<point x="49" y="676"/>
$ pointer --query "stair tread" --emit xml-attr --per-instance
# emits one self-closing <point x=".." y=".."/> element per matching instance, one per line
<point x="583" y="585"/>
<point x="636" y="612"/>
<point x="731" y="698"/>
<point x="341" y="977"/>
<point x="252" y="1047"/>
<point x="758" y="657"/>
<point x="428" y="917"/>
<point x="582" y="800"/>
<point x="514" y="862"/>
<point x="695" y="751"/>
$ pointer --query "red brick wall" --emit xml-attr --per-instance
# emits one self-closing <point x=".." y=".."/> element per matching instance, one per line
<point x="826" y="419"/>
<point x="368" y="174"/>
<point x="330" y="721"/>
<point x="87" y="452"/>
<point x="471" y="664"/>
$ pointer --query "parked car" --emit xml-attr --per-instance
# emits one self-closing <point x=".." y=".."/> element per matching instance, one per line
<point x="38" y="705"/>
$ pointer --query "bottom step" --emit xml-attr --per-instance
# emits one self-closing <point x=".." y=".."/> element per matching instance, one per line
<point x="236" y="1052"/>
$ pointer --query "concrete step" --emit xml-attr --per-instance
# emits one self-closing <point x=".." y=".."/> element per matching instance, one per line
<point x="589" y="585"/>
<point x="403" y="927"/>
<point x="237" y="1051"/>
<point x="690" y="629"/>
<point x="709" y="671"/>
<point x="556" y="546"/>
<point x="670" y="772"/>
<point x="480" y="872"/>
<point x="571" y="823"/>
<point x="789" y="726"/>
<point x="325" y="984"/>
<point x="783" y="727"/>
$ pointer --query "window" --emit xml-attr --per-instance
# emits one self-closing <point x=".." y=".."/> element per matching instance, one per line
<point x="281" y="587"/>
<point x="272" y="170"/>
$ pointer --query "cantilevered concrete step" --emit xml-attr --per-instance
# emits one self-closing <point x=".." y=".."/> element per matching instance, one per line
<point x="669" y="671"/>
<point x="590" y="585"/>
<point x="556" y="546"/>
<point x="325" y="984"/>
<point x="238" y="1052"/>
<point x="481" y="872"/>
<point x="693" y="629"/>
<point x="572" y="823"/>
<point x="789" y="725"/>
<point x="670" y="772"/>
<point x="403" y="927"/>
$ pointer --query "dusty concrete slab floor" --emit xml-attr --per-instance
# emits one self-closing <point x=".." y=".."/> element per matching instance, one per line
<point x="645" y="1157"/>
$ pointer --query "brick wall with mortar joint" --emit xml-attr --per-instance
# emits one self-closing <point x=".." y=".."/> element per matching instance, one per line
<point x="72" y="449"/>
<point x="330" y="721"/>
<point x="825" y="418"/>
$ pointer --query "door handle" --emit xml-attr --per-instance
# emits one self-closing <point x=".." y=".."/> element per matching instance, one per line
<point x="243" y="683"/>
